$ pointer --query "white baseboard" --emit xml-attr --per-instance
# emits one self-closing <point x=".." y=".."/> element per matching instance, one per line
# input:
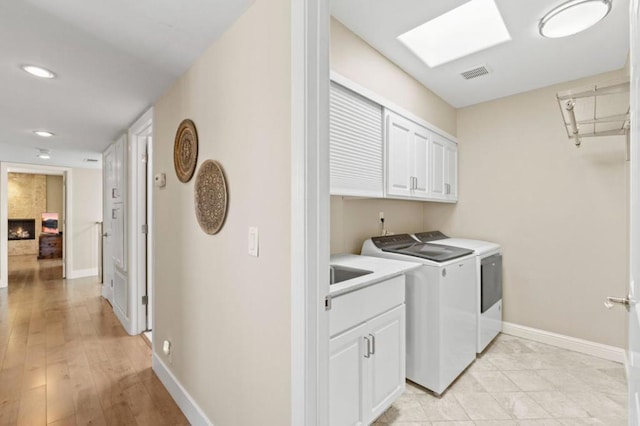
<point x="191" y="410"/>
<point x="82" y="273"/>
<point x="612" y="353"/>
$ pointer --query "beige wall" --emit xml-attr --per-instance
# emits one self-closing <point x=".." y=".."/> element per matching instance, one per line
<point x="86" y="210"/>
<point x="226" y="313"/>
<point x="354" y="220"/>
<point x="27" y="199"/>
<point x="353" y="58"/>
<point x="560" y="212"/>
<point x="54" y="196"/>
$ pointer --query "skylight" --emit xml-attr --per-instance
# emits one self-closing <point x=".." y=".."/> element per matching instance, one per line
<point x="470" y="28"/>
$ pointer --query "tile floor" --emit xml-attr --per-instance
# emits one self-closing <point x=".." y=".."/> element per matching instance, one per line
<point x="521" y="382"/>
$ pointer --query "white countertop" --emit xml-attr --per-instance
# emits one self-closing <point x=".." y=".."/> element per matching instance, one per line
<point x="383" y="269"/>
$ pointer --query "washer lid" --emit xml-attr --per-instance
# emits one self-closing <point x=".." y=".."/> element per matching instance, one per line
<point x="478" y="246"/>
<point x="406" y="245"/>
<point x="435" y="252"/>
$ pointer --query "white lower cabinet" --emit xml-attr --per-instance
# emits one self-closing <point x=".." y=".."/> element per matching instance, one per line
<point x="367" y="361"/>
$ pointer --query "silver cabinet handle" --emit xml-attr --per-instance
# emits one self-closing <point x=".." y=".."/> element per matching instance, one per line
<point x="373" y="344"/>
<point x="368" y="351"/>
<point x="624" y="301"/>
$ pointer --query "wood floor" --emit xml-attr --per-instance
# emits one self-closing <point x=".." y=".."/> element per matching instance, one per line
<point x="65" y="358"/>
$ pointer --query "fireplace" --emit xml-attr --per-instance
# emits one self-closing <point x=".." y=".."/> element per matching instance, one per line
<point x="22" y="229"/>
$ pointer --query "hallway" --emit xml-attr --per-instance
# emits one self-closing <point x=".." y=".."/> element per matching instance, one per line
<point x="65" y="358"/>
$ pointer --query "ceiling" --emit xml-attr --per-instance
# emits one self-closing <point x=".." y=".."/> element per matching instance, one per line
<point x="113" y="59"/>
<point x="529" y="61"/>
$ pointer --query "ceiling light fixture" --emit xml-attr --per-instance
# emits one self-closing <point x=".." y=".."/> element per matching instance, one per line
<point x="467" y="29"/>
<point x="43" y="133"/>
<point x="45" y="154"/>
<point x="573" y="17"/>
<point x="38" y="71"/>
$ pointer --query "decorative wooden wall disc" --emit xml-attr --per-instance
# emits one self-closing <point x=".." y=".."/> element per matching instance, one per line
<point x="210" y="197"/>
<point x="185" y="150"/>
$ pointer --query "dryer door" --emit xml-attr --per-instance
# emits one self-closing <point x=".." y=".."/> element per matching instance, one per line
<point x="491" y="285"/>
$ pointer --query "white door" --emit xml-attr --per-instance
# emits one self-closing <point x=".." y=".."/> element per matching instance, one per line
<point x="347" y="378"/>
<point x="399" y="155"/>
<point x="387" y="377"/>
<point x="108" y="176"/>
<point x="634" y="286"/>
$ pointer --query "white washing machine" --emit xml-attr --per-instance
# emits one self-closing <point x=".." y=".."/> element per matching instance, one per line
<point x="441" y="307"/>
<point x="489" y="279"/>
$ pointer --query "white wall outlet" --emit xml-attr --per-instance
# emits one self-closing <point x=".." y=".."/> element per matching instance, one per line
<point x="160" y="180"/>
<point x="166" y="347"/>
<point x="253" y="241"/>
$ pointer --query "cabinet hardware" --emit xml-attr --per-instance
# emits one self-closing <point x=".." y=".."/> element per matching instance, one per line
<point x="145" y="300"/>
<point x="373" y="344"/>
<point x="144" y="228"/>
<point x="368" y="348"/>
<point x="114" y="215"/>
<point x="114" y="193"/>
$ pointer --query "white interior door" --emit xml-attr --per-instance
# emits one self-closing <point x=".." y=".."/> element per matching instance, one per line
<point x="634" y="252"/>
<point x="108" y="176"/>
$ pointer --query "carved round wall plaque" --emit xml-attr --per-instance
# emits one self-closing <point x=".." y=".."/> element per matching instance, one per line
<point x="210" y="197"/>
<point x="185" y="150"/>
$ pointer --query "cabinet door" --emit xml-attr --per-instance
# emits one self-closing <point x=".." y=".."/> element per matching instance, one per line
<point x="387" y="361"/>
<point x="437" y="163"/>
<point x="355" y="144"/>
<point x="451" y="166"/>
<point x="400" y="149"/>
<point x="347" y="379"/>
<point x="421" y="138"/>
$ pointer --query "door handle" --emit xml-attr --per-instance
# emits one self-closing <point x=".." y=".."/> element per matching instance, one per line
<point x="624" y="301"/>
<point x="368" y="352"/>
<point x="106" y="234"/>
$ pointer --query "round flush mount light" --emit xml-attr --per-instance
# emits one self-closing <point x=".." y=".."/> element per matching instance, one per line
<point x="45" y="154"/>
<point x="573" y="17"/>
<point x="38" y="71"/>
<point x="43" y="133"/>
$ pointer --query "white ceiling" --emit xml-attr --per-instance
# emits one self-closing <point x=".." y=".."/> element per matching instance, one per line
<point x="113" y="60"/>
<point x="527" y="62"/>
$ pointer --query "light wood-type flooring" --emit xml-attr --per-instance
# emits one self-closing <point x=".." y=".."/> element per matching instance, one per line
<point x="65" y="358"/>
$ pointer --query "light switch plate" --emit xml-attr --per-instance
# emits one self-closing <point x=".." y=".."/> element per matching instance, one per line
<point x="253" y="241"/>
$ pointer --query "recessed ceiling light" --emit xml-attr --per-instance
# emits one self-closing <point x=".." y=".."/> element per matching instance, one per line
<point x="43" y="133"/>
<point x="467" y="29"/>
<point x="38" y="71"/>
<point x="573" y="17"/>
<point x="45" y="154"/>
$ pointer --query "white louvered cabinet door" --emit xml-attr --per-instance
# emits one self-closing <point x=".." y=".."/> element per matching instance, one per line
<point x="356" y="144"/>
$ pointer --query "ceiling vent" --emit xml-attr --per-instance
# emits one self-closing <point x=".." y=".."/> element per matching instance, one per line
<point x="90" y="160"/>
<point x="475" y="72"/>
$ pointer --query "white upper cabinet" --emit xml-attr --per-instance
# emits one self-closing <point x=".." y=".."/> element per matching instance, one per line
<point x="407" y="162"/>
<point x="400" y="155"/>
<point x="378" y="151"/>
<point x="356" y="144"/>
<point x="444" y="169"/>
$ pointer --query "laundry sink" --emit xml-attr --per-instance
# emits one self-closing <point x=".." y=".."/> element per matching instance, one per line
<point x="337" y="273"/>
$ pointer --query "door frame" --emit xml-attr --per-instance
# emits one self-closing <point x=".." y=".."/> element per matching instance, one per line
<point x="67" y="174"/>
<point x="310" y="208"/>
<point x="139" y="210"/>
